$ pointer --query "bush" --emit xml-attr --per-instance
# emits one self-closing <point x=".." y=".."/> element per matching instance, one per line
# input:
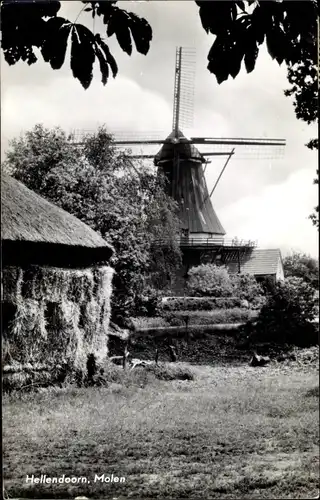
<point x="246" y="287"/>
<point x="215" y="281"/>
<point x="200" y="303"/>
<point x="209" y="280"/>
<point x="148" y="304"/>
<point x="286" y="317"/>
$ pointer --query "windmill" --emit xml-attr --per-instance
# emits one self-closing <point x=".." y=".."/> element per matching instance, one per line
<point x="202" y="234"/>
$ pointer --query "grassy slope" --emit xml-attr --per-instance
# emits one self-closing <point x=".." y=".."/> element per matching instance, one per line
<point x="234" y="432"/>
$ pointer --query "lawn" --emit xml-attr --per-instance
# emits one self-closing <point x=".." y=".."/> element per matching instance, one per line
<point x="232" y="432"/>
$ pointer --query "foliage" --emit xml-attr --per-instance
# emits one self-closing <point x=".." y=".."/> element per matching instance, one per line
<point x="149" y="302"/>
<point x="200" y="303"/>
<point x="215" y="281"/>
<point x="286" y="317"/>
<point x="27" y="26"/>
<point x="288" y="28"/>
<point x="102" y="187"/>
<point x="315" y="216"/>
<point x="302" y="266"/>
<point x="209" y="280"/>
<point x="245" y="287"/>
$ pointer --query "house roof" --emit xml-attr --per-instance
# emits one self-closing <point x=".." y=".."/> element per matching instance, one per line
<point x="27" y="217"/>
<point x="259" y="262"/>
<point x="186" y="150"/>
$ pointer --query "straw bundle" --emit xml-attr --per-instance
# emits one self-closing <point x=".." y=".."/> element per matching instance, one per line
<point x="60" y="315"/>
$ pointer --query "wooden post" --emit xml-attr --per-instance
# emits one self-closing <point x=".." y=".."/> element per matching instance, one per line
<point x="125" y="355"/>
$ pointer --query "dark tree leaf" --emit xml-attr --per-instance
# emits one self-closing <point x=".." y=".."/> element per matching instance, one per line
<point x="106" y="9"/>
<point x="104" y="67"/>
<point x="216" y="16"/>
<point x="112" y="25"/>
<point x="251" y="55"/>
<point x="108" y="56"/>
<point x="217" y="60"/>
<point x="82" y="54"/>
<point x="276" y="44"/>
<point x="23" y="28"/>
<point x="141" y="33"/>
<point x="118" y="24"/>
<point x="55" y="45"/>
<point x="260" y="23"/>
<point x="235" y="59"/>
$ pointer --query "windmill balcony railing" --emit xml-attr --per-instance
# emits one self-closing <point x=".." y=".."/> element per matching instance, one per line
<point x="212" y="242"/>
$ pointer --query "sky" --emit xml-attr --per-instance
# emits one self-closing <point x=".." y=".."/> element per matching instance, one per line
<point x="257" y="199"/>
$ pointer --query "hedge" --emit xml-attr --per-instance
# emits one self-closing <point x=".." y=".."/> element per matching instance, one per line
<point x="200" y="303"/>
<point x="220" y="316"/>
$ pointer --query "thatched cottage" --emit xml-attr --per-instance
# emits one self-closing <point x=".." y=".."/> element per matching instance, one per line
<point x="56" y="283"/>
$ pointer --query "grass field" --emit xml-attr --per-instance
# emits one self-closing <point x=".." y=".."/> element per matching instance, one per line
<point x="232" y="432"/>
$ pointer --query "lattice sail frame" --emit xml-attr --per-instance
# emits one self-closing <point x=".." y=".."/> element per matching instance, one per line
<point x="183" y="93"/>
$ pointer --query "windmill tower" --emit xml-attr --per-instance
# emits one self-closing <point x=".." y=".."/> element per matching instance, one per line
<point x="182" y="164"/>
<point x="202" y="237"/>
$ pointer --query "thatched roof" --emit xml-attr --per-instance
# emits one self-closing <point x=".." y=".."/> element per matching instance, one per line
<point x="29" y="218"/>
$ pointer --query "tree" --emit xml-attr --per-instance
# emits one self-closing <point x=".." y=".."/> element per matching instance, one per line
<point x="302" y="266"/>
<point x="287" y="316"/>
<point x="27" y="26"/>
<point x="105" y="190"/>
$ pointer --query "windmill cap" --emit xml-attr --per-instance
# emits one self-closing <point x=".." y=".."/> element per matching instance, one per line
<point x="186" y="150"/>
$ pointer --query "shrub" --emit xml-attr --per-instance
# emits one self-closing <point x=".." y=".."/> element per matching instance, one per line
<point x="148" y="304"/>
<point x="286" y="317"/>
<point x="246" y="287"/>
<point x="209" y="280"/>
<point x="220" y="316"/>
<point x="215" y="281"/>
<point x="200" y="303"/>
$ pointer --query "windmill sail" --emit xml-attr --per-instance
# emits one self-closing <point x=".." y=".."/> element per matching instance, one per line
<point x="181" y="163"/>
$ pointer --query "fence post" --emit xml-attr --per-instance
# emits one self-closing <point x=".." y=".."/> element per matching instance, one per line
<point x="125" y="355"/>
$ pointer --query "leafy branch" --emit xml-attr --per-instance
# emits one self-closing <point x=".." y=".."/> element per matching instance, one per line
<point x="28" y="26"/>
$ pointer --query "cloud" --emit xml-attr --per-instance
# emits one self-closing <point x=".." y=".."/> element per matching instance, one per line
<point x="64" y="103"/>
<point x="278" y="216"/>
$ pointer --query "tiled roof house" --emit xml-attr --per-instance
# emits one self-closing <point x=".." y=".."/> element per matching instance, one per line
<point x="260" y="263"/>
